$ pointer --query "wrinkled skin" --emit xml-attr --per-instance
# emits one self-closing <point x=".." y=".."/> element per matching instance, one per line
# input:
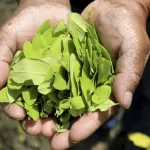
<point x="121" y="26"/>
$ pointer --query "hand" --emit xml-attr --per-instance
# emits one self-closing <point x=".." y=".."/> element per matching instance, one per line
<point x="121" y="26"/>
<point x="20" y="27"/>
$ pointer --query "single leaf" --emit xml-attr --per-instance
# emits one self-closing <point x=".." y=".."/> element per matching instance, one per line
<point x="77" y="21"/>
<point x="64" y="104"/>
<point x="30" y="52"/>
<point x="18" y="55"/>
<point x="61" y="28"/>
<point x="29" y="70"/>
<point x="86" y="82"/>
<point x="65" y="117"/>
<point x="60" y="81"/>
<point x="32" y="111"/>
<point x="46" y="87"/>
<point x="63" y="127"/>
<point x="39" y="45"/>
<point x="30" y="95"/>
<point x="77" y="102"/>
<point x="3" y="96"/>
<point x="56" y="47"/>
<point x="11" y="84"/>
<point x="101" y="94"/>
<point x="76" y="42"/>
<point x="76" y="112"/>
<point x="20" y="103"/>
<point x="104" y="70"/>
<point x="104" y="106"/>
<point x="48" y="107"/>
<point x="47" y="35"/>
<point x="13" y="94"/>
<point x="74" y="89"/>
<point x="44" y="27"/>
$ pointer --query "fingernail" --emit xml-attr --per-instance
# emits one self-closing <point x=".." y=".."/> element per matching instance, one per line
<point x="128" y="99"/>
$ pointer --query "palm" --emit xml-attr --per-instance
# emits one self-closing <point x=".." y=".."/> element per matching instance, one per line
<point x="29" y="19"/>
<point x="121" y="29"/>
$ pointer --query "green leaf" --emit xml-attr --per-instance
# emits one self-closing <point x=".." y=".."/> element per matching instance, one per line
<point x="63" y="127"/>
<point x="46" y="87"/>
<point x="76" y="42"/>
<point x="65" y="117"/>
<point x="3" y="96"/>
<point x="32" y="111"/>
<point x="60" y="81"/>
<point x="29" y="70"/>
<point x="74" y="89"/>
<point x="29" y="52"/>
<point x="91" y="32"/>
<point x="76" y="112"/>
<point x="101" y="94"/>
<point x="44" y="27"/>
<point x="77" y="102"/>
<point x="20" y="103"/>
<point x="48" y="107"/>
<point x="104" y="106"/>
<point x="18" y="55"/>
<point x="104" y="70"/>
<point x="77" y="21"/>
<point x="64" y="104"/>
<point x="13" y="94"/>
<point x="54" y="97"/>
<point x="47" y="35"/>
<point x="11" y="84"/>
<point x="30" y="95"/>
<point x="61" y="28"/>
<point x="86" y="82"/>
<point x="39" y="45"/>
<point x="56" y="47"/>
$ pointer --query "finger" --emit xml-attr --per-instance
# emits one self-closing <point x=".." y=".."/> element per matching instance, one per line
<point x="4" y="72"/>
<point x="32" y="127"/>
<point x="14" y="111"/>
<point x="48" y="127"/>
<point x="88" y="124"/>
<point x="61" y="141"/>
<point x="133" y="55"/>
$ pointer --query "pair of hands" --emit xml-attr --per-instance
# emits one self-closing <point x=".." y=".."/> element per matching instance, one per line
<point x="121" y="26"/>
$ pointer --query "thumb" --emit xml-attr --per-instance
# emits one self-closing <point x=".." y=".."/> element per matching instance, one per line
<point x="7" y="49"/>
<point x="133" y="55"/>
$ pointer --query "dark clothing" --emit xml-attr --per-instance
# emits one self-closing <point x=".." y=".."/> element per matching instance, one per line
<point x="81" y="4"/>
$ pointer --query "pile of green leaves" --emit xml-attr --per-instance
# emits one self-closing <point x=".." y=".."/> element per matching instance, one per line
<point x="63" y="73"/>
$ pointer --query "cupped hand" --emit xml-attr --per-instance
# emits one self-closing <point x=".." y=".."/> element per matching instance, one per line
<point x="20" y="27"/>
<point x="121" y="26"/>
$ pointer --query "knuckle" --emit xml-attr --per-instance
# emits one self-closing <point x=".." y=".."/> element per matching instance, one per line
<point x="134" y="78"/>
